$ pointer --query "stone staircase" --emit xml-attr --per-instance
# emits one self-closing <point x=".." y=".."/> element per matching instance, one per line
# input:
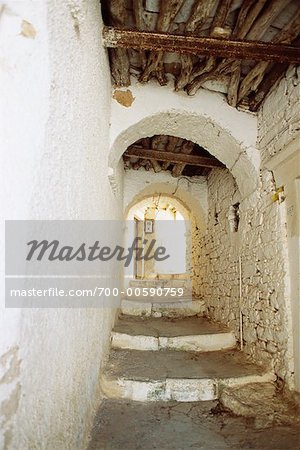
<point x="168" y="351"/>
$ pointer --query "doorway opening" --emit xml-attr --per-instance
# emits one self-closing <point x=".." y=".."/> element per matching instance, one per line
<point x="160" y="221"/>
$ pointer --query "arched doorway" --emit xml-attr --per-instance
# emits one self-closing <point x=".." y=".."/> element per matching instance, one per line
<point x="206" y="120"/>
<point x="168" y="221"/>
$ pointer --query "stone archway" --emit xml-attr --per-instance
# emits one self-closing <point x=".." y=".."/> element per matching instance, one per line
<point x="139" y="205"/>
<point x="206" y="120"/>
<point x="187" y="204"/>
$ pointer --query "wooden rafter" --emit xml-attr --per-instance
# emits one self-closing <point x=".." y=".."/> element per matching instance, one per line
<point x="207" y="40"/>
<point x="227" y="48"/>
<point x="171" y="146"/>
<point x="168" y="10"/>
<point x="256" y="75"/>
<point x="120" y="65"/>
<point x="199" y="14"/>
<point x="253" y="21"/>
<point x="186" y="149"/>
<point x="216" y="30"/>
<point x="171" y="157"/>
<point x="139" y="22"/>
<point x="274" y="76"/>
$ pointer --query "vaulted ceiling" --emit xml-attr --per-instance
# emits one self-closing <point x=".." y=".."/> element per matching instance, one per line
<point x="239" y="47"/>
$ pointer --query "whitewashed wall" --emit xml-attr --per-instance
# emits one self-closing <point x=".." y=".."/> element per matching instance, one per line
<point x="56" y="95"/>
<point x="279" y="117"/>
<point x="260" y="242"/>
<point x="279" y="140"/>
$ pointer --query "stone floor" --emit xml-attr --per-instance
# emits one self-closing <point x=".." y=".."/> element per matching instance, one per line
<point x="128" y="425"/>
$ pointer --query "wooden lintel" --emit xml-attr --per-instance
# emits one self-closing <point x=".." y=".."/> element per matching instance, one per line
<point x="211" y="46"/>
<point x="175" y="158"/>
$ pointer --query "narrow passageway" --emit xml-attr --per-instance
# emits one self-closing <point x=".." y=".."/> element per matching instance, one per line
<point x="168" y="129"/>
<point x="180" y="373"/>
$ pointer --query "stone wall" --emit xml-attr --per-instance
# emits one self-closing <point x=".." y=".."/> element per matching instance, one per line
<point x="216" y="254"/>
<point x="278" y="118"/>
<point x="279" y="143"/>
<point x="260" y="242"/>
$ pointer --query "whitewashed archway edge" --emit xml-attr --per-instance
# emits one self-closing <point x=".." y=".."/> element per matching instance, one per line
<point x="205" y="119"/>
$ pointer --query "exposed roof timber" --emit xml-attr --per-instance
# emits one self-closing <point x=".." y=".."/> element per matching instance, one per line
<point x="227" y="48"/>
<point x="274" y="76"/>
<point x="171" y="157"/>
<point x="186" y="149"/>
<point x="228" y="31"/>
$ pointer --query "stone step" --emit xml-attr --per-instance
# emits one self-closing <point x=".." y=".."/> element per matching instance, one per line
<point x="162" y="307"/>
<point x="186" y="334"/>
<point x="176" y="375"/>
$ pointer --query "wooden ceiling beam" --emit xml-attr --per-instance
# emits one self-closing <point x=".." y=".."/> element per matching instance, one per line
<point x="249" y="11"/>
<point x="167" y="13"/>
<point x="200" y="12"/>
<point x="172" y="143"/>
<point x="233" y="49"/>
<point x="255" y="76"/>
<point x="210" y="62"/>
<point x="119" y="59"/>
<point x="186" y="149"/>
<point x="269" y="82"/>
<point x="264" y="20"/>
<point x="174" y="158"/>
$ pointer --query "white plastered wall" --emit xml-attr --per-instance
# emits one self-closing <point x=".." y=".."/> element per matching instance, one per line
<point x="55" y="85"/>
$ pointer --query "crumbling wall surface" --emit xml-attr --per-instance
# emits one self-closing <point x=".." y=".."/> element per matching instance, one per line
<point x="260" y="242"/>
<point x="278" y="118"/>
<point x="56" y="93"/>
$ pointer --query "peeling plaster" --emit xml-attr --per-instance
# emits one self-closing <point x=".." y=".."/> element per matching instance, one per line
<point x="125" y="98"/>
<point x="10" y="365"/>
<point x="28" y="30"/>
<point x="8" y="407"/>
